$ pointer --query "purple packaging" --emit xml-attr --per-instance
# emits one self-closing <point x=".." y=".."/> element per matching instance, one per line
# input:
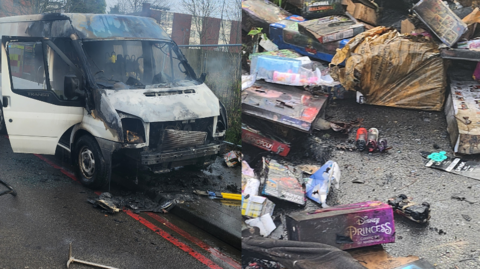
<point x="345" y="227"/>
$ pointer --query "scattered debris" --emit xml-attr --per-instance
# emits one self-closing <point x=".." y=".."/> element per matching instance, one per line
<point x="233" y="158"/>
<point x="359" y="181"/>
<point x="71" y="260"/>
<point x="105" y="201"/>
<point x="10" y="189"/>
<point x="467" y="217"/>
<point x="137" y="202"/>
<point x="264" y="223"/>
<point x="361" y="139"/>
<point x="402" y="205"/>
<point x="308" y="169"/>
<point x="301" y="255"/>
<point x="346" y="226"/>
<point x="376" y="257"/>
<point x="318" y="185"/>
<point x="468" y="167"/>
<point x="281" y="183"/>
<point x="256" y="206"/>
<point x="419" y="264"/>
<point x="461" y="197"/>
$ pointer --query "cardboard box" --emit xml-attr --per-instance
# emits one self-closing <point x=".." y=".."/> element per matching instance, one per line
<point x="259" y="140"/>
<point x="284" y="105"/>
<point x="281" y="183"/>
<point x="441" y="20"/>
<point x="407" y="27"/>
<point x="256" y="206"/>
<point x="345" y="227"/>
<point x="285" y="35"/>
<point x="311" y="9"/>
<point x="331" y="29"/>
<point x="365" y="14"/>
<point x="259" y="13"/>
<point x="462" y="111"/>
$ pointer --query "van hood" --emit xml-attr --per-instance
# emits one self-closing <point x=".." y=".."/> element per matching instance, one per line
<point x="166" y="104"/>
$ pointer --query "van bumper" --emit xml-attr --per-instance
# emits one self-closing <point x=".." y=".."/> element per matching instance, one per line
<point x="164" y="161"/>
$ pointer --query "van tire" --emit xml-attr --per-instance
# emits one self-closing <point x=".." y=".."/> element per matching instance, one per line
<point x="90" y="166"/>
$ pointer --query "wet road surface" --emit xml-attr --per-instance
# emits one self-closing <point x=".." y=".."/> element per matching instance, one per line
<point x="51" y="211"/>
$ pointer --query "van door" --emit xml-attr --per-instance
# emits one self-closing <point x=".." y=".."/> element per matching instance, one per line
<point x="36" y="108"/>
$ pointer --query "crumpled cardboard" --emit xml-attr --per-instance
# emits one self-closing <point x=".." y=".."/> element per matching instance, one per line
<point x="390" y="69"/>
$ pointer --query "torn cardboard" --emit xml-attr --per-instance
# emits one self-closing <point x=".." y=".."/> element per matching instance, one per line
<point x="390" y="69"/>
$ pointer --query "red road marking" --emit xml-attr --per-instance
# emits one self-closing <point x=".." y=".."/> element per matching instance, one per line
<point x="194" y="240"/>
<point x="65" y="172"/>
<point x="162" y="233"/>
<point x="174" y="241"/>
<point x="68" y="174"/>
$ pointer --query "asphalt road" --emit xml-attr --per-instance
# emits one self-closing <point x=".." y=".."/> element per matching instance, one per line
<point x="51" y="211"/>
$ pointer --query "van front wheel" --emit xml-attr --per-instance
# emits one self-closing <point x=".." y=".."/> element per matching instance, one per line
<point x="91" y="167"/>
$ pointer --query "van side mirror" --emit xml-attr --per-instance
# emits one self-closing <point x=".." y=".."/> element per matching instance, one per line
<point x="71" y="87"/>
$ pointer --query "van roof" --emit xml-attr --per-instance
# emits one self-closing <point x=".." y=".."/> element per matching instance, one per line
<point x="86" y="26"/>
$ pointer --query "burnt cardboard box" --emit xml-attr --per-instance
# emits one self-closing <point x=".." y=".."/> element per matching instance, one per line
<point x="285" y="35"/>
<point x="462" y="110"/>
<point x="331" y="28"/>
<point x="311" y="9"/>
<point x="284" y="105"/>
<point x="365" y="14"/>
<point x="441" y="20"/>
<point x="345" y="227"/>
<point x="281" y="183"/>
<point x="260" y="13"/>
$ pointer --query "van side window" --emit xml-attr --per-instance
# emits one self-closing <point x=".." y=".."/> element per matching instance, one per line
<point x="27" y="65"/>
<point x="58" y="68"/>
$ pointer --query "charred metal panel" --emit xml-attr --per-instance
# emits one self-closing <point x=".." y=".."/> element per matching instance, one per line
<point x="151" y="105"/>
<point x="101" y="26"/>
<point x="288" y="106"/>
<point x="86" y="26"/>
<point x="150" y="158"/>
<point x="175" y="139"/>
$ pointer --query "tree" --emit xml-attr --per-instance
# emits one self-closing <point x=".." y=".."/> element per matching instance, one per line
<point x="86" y="6"/>
<point x="133" y="6"/>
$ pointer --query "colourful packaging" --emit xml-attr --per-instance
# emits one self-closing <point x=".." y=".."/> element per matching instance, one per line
<point x="346" y="227"/>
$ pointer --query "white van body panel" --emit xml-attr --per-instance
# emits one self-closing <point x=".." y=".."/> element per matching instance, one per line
<point x="151" y="106"/>
<point x="95" y="127"/>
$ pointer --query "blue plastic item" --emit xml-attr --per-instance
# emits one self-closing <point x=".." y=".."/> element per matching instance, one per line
<point x="437" y="157"/>
<point x="319" y="184"/>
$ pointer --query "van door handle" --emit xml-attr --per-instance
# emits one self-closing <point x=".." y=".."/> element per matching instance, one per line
<point x="5" y="101"/>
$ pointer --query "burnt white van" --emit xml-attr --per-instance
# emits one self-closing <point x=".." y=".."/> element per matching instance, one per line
<point x="109" y="89"/>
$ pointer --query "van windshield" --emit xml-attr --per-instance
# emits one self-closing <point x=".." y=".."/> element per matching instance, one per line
<point x="138" y="64"/>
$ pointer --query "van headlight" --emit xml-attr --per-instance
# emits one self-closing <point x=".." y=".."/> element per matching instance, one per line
<point x="133" y="131"/>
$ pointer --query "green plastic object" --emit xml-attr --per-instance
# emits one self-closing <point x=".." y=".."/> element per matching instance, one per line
<point x="438" y="157"/>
